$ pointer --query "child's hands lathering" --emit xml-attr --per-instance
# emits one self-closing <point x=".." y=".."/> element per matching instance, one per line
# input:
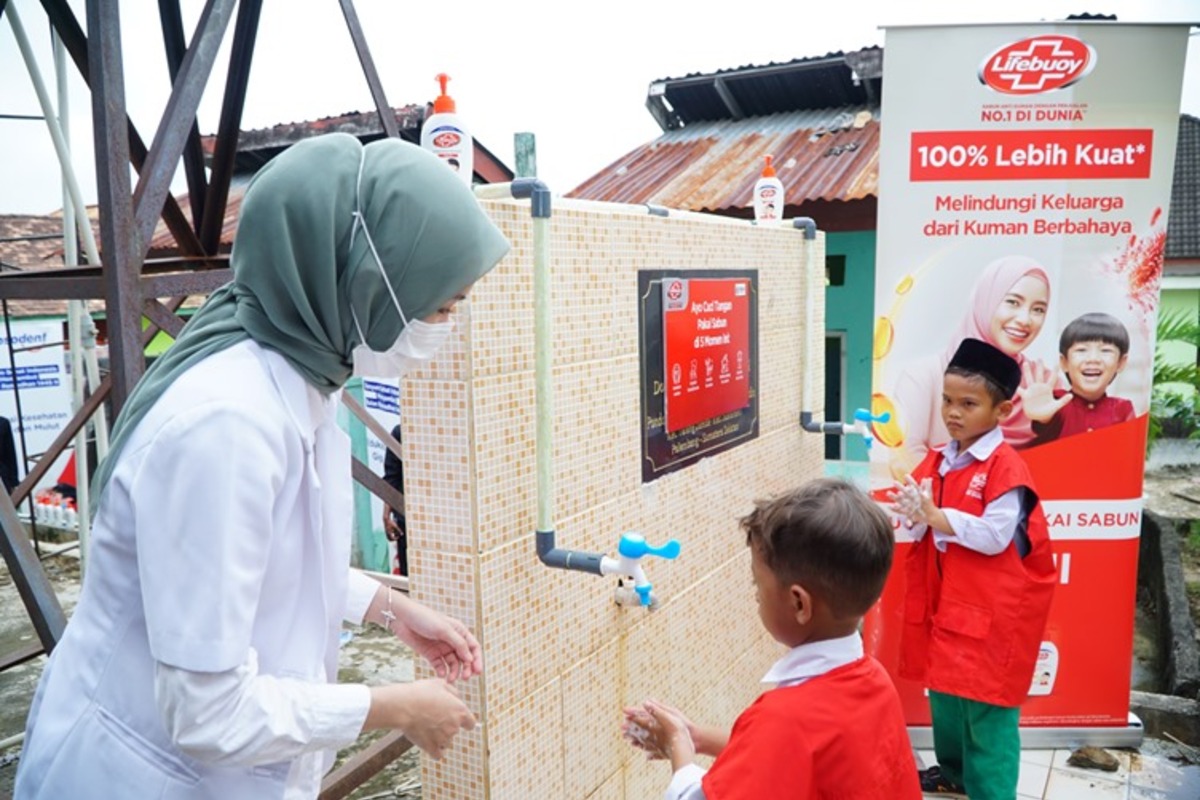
<point x="661" y="732"/>
<point x="913" y="501"/>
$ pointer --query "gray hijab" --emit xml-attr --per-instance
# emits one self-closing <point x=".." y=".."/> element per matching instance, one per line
<point x="298" y="270"/>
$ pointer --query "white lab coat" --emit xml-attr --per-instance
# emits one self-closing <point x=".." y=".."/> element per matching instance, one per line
<point x="224" y="533"/>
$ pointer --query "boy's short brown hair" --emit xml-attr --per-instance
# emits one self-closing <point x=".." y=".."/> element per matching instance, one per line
<point x="1094" y="327"/>
<point x="829" y="537"/>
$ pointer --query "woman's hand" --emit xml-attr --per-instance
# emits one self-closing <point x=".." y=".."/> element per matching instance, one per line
<point x="1037" y="392"/>
<point x="429" y="712"/>
<point x="449" y="647"/>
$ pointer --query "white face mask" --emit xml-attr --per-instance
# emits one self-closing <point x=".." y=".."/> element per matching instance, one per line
<point x="419" y="341"/>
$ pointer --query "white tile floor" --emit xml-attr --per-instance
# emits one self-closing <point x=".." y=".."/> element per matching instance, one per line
<point x="1155" y="771"/>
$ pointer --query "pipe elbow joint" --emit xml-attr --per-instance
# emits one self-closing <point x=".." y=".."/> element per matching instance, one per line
<point x="538" y="194"/>
<point x="808" y="224"/>
<point x="560" y="558"/>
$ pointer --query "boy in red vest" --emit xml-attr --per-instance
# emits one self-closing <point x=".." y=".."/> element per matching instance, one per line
<point x="980" y="580"/>
<point x="833" y="726"/>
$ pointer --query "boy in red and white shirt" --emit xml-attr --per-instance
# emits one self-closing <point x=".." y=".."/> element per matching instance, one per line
<point x="833" y="725"/>
<point x="979" y="581"/>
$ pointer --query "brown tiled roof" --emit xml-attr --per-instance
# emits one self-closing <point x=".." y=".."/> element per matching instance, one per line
<point x="257" y="147"/>
<point x="162" y="243"/>
<point x="356" y="123"/>
<point x="34" y="243"/>
<point x="30" y="243"/>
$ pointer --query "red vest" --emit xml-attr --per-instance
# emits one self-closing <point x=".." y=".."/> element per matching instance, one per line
<point x="840" y="735"/>
<point x="973" y="623"/>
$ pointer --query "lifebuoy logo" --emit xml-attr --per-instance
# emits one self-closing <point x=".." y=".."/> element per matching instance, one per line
<point x="675" y="295"/>
<point x="1036" y="65"/>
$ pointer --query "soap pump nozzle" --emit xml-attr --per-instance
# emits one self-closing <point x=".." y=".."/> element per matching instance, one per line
<point x="443" y="103"/>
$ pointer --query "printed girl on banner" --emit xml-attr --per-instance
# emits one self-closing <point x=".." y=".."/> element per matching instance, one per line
<point x="1007" y="309"/>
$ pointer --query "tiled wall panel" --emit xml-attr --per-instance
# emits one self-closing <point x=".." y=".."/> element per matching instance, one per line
<point x="561" y="659"/>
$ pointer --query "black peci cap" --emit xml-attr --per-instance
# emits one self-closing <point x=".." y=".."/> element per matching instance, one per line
<point x="984" y="359"/>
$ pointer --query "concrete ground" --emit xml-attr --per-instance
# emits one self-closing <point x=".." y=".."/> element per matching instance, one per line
<point x="1157" y="770"/>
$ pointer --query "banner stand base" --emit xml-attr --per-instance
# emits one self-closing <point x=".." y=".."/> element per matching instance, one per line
<point x="1055" y="738"/>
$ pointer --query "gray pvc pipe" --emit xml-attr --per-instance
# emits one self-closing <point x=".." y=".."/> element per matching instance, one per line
<point x="539" y="197"/>
<point x="806" y="393"/>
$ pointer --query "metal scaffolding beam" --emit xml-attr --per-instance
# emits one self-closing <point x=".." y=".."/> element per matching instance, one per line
<point x="225" y="153"/>
<point x="118" y="230"/>
<point x="132" y="286"/>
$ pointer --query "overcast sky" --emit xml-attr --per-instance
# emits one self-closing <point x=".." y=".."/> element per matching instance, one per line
<point x="573" y="74"/>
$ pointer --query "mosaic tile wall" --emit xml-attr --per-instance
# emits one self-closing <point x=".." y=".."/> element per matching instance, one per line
<point x="561" y="659"/>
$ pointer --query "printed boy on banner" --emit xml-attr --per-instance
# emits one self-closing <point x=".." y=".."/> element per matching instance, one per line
<point x="1093" y="350"/>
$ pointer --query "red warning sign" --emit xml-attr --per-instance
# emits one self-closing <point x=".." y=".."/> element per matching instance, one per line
<point x="707" y="335"/>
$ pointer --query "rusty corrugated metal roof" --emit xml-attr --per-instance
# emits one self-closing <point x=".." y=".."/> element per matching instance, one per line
<point x="819" y="155"/>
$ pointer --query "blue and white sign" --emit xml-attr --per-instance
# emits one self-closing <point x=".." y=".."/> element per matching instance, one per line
<point x="42" y="383"/>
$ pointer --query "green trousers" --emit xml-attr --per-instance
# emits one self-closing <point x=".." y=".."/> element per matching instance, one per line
<point x="977" y="745"/>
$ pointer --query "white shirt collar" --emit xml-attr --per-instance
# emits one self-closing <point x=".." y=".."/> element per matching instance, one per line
<point x="308" y="407"/>
<point x="981" y="451"/>
<point x="814" y="659"/>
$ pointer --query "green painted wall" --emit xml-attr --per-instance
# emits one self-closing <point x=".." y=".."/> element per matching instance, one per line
<point x="850" y="310"/>
<point x="369" y="549"/>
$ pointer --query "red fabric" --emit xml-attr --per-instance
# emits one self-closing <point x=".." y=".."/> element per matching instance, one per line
<point x="1083" y="416"/>
<point x="1118" y="453"/>
<point x="973" y="623"/>
<point x="67" y="478"/>
<point x="840" y="735"/>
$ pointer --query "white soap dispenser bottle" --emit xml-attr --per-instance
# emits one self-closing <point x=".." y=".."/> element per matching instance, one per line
<point x="445" y="135"/>
<point x="768" y="196"/>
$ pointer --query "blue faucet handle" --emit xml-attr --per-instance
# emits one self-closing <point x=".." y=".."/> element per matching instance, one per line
<point x="633" y="545"/>
<point x="863" y="415"/>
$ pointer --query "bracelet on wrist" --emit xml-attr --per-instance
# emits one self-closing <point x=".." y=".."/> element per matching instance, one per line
<point x="389" y="616"/>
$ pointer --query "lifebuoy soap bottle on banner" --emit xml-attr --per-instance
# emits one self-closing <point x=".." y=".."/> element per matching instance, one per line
<point x="1046" y="671"/>
<point x="444" y="135"/>
<point x="768" y="196"/>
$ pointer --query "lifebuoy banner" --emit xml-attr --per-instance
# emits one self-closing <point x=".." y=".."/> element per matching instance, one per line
<point x="1025" y="178"/>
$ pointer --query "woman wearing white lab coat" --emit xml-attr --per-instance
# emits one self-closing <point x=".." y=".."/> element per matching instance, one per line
<point x="201" y="659"/>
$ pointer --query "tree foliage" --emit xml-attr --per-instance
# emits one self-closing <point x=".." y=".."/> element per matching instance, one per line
<point x="1175" y="396"/>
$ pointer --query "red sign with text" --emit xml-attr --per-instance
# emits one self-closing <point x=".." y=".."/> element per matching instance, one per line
<point x="707" y="349"/>
<point x="1011" y="155"/>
